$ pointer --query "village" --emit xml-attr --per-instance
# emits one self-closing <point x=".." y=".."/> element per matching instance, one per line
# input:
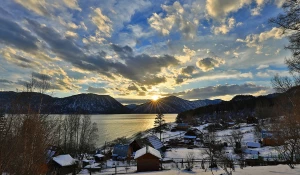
<point x="207" y="148"/>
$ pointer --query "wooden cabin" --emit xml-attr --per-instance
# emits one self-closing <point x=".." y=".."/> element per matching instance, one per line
<point x="147" y="159"/>
<point x="63" y="164"/>
<point x="151" y="140"/>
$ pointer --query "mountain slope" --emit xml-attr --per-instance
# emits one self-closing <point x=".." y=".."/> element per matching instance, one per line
<point x="82" y="103"/>
<point x="240" y="106"/>
<point x="171" y="104"/>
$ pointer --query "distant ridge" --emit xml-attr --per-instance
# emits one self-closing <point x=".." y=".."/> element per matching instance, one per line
<point x="171" y="104"/>
<point x="81" y="103"/>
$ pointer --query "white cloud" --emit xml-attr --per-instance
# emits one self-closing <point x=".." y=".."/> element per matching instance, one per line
<point x="263" y="66"/>
<point x="72" y="4"/>
<point x="184" y="19"/>
<point x="102" y="22"/>
<point x="224" y="29"/>
<point x="219" y="9"/>
<point x="37" y="6"/>
<point x="188" y="54"/>
<point x="256" y="40"/>
<point x="71" y="34"/>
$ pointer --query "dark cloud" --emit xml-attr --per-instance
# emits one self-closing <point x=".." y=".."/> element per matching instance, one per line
<point x="41" y="76"/>
<point x="220" y="90"/>
<point x="96" y="90"/>
<point x="207" y="64"/>
<point x="133" y="88"/>
<point x="142" y="69"/>
<point x="179" y="80"/>
<point x="3" y="81"/>
<point x="12" y="34"/>
<point x="188" y="70"/>
<point x="143" y="88"/>
<point x="141" y="94"/>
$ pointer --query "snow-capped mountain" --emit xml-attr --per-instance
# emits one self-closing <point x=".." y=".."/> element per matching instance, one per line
<point x="82" y="103"/>
<point x="171" y="104"/>
<point x="88" y="103"/>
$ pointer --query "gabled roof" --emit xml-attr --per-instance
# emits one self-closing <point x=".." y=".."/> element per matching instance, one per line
<point x="146" y="150"/>
<point x="155" y="142"/>
<point x="64" y="160"/>
<point x="121" y="150"/>
<point x="151" y="140"/>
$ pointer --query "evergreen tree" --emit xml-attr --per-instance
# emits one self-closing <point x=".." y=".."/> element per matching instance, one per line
<point x="159" y="124"/>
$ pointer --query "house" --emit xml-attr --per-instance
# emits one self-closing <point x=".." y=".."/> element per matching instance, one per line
<point x="99" y="157"/>
<point x="182" y="126"/>
<point x="121" y="152"/>
<point x="253" y="145"/>
<point x="269" y="140"/>
<point x="63" y="164"/>
<point x="147" y="159"/>
<point x="151" y="140"/>
<point x="191" y="135"/>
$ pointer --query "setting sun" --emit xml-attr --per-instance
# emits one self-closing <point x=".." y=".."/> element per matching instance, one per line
<point x="155" y="97"/>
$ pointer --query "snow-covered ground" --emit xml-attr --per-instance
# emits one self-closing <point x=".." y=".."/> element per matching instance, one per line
<point x="177" y="154"/>
<point x="258" y="170"/>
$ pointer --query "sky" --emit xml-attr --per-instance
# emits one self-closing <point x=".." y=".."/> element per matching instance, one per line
<point x="135" y="50"/>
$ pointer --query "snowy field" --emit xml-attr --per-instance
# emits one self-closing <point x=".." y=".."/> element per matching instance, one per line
<point x="258" y="170"/>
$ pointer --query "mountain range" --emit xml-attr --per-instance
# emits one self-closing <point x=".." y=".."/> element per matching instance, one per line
<point x="95" y="104"/>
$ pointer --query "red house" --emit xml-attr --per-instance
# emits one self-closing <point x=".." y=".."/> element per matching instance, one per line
<point x="147" y="159"/>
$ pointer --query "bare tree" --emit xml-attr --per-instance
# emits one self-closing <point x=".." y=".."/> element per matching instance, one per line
<point x="289" y="22"/>
<point x="235" y="137"/>
<point x="190" y="157"/>
<point x="27" y="132"/>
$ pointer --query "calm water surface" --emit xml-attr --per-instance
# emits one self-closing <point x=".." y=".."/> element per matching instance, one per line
<point x="112" y="126"/>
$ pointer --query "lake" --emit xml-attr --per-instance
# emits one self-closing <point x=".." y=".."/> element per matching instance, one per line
<point x="112" y="126"/>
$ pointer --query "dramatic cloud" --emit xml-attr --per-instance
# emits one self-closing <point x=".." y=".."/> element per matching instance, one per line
<point x="219" y="9"/>
<point x="188" y="70"/>
<point x="133" y="88"/>
<point x="96" y="90"/>
<point x="12" y="34"/>
<point x="224" y="29"/>
<point x="208" y="64"/>
<point x="182" y="19"/>
<point x="3" y="81"/>
<point x="102" y="22"/>
<point x="37" y="6"/>
<point x="255" y="40"/>
<point x="41" y="76"/>
<point x="138" y="48"/>
<point x="221" y="90"/>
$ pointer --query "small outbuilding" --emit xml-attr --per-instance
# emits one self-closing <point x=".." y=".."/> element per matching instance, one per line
<point x="64" y="164"/>
<point x="99" y="157"/>
<point x="147" y="159"/>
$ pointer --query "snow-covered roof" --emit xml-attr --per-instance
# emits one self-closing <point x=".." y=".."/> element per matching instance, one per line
<point x="64" y="160"/>
<point x="155" y="142"/>
<point x="99" y="155"/>
<point x="145" y="150"/>
<point x="253" y="144"/>
<point x="189" y="137"/>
